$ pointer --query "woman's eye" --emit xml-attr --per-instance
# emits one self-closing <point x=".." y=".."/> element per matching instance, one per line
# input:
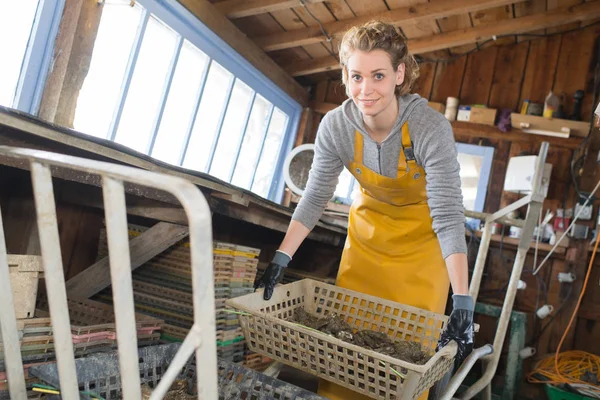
<point x="356" y="78"/>
<point x="379" y="76"/>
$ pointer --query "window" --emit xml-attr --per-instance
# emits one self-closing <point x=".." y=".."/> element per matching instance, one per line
<point x="32" y="26"/>
<point x="475" y="167"/>
<point x="346" y="188"/>
<point x="164" y="85"/>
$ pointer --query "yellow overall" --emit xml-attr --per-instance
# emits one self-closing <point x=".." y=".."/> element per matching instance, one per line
<point x="391" y="250"/>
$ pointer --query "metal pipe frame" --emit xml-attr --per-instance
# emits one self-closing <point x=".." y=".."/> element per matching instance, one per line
<point x="534" y="202"/>
<point x="200" y="339"/>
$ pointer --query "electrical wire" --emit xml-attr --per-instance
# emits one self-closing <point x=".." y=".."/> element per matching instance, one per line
<point x="568" y="229"/>
<point x="537" y="337"/>
<point x="574" y="367"/>
<point x="571" y="367"/>
<point x="323" y="31"/>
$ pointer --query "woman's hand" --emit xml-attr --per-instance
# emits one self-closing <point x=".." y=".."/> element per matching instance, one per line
<point x="459" y="328"/>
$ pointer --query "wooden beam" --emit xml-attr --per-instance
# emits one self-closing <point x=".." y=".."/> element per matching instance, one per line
<point x="244" y="8"/>
<point x="322" y="107"/>
<point x="582" y="12"/>
<point x="208" y="14"/>
<point x="257" y="216"/>
<point x="415" y="14"/>
<point x="142" y="249"/>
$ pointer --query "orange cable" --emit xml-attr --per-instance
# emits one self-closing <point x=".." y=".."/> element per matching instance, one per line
<point x="585" y="282"/>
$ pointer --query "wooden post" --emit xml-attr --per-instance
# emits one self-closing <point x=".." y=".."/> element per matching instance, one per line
<point x="72" y="58"/>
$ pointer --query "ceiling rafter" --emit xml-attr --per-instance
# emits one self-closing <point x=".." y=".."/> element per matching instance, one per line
<point x="549" y="19"/>
<point x="413" y="14"/>
<point x="233" y="9"/>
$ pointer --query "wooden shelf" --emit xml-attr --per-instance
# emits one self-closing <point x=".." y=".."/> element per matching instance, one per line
<point x="513" y="243"/>
<point x="472" y="129"/>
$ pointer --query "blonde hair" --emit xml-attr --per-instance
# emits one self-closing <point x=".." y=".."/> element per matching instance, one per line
<point x="380" y="35"/>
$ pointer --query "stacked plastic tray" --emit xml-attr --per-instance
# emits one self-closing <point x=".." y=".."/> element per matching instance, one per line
<point x="93" y="330"/>
<point x="162" y="289"/>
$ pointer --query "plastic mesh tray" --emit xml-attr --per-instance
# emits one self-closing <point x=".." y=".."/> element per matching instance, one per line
<point x="100" y="374"/>
<point x="268" y="332"/>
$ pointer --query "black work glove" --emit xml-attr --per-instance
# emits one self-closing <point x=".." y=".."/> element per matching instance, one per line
<point x="459" y="328"/>
<point x="272" y="274"/>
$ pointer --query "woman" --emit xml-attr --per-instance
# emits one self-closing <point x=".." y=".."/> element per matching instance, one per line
<point x="406" y="235"/>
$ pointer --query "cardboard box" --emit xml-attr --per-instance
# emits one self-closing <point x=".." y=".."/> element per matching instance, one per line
<point x="439" y="107"/>
<point x="481" y="115"/>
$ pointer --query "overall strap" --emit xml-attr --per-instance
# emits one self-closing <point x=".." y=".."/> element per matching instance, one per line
<point x="407" y="145"/>
<point x="358" y="147"/>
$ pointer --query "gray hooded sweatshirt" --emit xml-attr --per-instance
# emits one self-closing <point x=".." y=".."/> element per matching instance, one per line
<point x="435" y="150"/>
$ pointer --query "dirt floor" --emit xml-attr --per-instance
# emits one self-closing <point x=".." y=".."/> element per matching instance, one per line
<point x="335" y="326"/>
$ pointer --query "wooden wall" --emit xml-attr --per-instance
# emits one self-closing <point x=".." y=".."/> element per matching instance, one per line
<point x="502" y="77"/>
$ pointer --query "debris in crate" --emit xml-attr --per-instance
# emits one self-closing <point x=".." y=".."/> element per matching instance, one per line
<point x="334" y="325"/>
<point x="178" y="391"/>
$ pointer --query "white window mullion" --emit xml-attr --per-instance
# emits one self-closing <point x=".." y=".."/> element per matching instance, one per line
<point x="137" y="44"/>
<point x="190" y="128"/>
<point x="239" y="146"/>
<point x="165" y="93"/>
<point x="220" y="125"/>
<point x="38" y="55"/>
<point x="262" y="145"/>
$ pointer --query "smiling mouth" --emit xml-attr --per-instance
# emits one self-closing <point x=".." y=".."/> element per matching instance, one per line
<point x="368" y="102"/>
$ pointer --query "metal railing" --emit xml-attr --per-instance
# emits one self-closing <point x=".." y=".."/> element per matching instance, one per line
<point x="200" y="339"/>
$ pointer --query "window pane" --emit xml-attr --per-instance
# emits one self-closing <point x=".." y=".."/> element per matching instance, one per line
<point x="147" y="86"/>
<point x="180" y="103"/>
<point x="266" y="165"/>
<point x="232" y="130"/>
<point x="16" y="20"/>
<point x="211" y="108"/>
<point x="343" y="187"/>
<point x="470" y="170"/>
<point x="247" y="162"/>
<point x="100" y="91"/>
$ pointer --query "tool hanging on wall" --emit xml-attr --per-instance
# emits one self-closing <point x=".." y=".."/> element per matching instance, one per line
<point x="578" y="98"/>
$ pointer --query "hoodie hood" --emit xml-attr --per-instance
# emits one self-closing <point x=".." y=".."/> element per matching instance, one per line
<point x="406" y="105"/>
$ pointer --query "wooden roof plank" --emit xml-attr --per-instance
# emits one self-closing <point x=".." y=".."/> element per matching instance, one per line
<point x="289" y="20"/>
<point x="553" y="5"/>
<point x="244" y="8"/>
<point x="530" y="7"/>
<point x="551" y="18"/>
<point x="491" y="15"/>
<point x="454" y="22"/>
<point x="415" y="13"/>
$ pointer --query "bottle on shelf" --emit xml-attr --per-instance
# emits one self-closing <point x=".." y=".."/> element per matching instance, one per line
<point x="551" y="105"/>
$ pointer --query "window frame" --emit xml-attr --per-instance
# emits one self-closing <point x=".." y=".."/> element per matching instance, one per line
<point x="189" y="27"/>
<point x="38" y="56"/>
<point x="487" y="155"/>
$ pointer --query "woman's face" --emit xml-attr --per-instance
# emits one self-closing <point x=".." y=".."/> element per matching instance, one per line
<point x="372" y="81"/>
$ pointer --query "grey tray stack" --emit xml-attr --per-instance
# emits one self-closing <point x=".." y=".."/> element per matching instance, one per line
<point x="99" y="374"/>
